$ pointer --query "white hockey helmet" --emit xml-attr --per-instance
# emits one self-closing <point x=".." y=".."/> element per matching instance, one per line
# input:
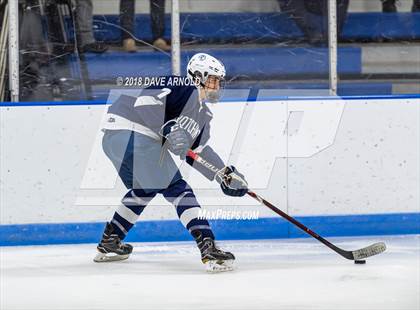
<point x="200" y="67"/>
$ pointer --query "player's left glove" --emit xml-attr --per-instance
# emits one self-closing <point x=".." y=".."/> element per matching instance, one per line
<point x="232" y="182"/>
<point x="176" y="138"/>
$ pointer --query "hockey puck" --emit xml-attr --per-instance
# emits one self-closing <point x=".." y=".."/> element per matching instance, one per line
<point x="360" y="262"/>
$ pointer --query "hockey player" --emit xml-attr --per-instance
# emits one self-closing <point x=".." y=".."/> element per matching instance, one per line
<point x="141" y="130"/>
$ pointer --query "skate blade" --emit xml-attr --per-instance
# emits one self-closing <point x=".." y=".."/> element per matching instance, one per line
<point x="109" y="257"/>
<point x="215" y="266"/>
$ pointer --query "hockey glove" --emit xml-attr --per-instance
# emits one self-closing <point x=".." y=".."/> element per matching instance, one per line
<point x="232" y="182"/>
<point x="176" y="138"/>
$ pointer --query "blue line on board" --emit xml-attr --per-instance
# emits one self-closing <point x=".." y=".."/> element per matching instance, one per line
<point x="172" y="230"/>
<point x="309" y="98"/>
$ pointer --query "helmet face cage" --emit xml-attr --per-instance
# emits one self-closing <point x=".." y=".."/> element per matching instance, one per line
<point x="213" y="94"/>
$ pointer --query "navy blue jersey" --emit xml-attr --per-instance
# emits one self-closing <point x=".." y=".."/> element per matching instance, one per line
<point x="157" y="105"/>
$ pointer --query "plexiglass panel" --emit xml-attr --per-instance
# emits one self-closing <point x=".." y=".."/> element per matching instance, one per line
<point x="71" y="50"/>
<point x="378" y="48"/>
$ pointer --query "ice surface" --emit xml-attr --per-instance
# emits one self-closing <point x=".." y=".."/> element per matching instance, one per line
<point x="270" y="274"/>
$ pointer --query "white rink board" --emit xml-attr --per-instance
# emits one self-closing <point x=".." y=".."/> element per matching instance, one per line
<point x="340" y="157"/>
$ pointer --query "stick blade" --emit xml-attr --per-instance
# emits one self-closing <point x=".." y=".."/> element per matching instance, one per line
<point x="371" y="250"/>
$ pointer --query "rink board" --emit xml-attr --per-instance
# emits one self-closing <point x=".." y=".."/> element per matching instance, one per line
<point x="345" y="166"/>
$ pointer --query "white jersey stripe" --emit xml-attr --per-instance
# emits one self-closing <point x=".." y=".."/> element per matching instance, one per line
<point x="116" y="122"/>
<point x="127" y="214"/>
<point x="188" y="215"/>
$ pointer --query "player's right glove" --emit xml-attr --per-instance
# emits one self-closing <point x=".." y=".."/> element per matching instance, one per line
<point x="176" y="139"/>
<point x="232" y="182"/>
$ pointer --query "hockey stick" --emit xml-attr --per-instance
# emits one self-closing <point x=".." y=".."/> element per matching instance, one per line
<point x="357" y="255"/>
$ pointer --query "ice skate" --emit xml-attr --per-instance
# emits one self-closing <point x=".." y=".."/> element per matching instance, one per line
<point x="214" y="259"/>
<point x="111" y="248"/>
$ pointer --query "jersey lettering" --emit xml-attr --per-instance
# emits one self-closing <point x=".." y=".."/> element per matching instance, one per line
<point x="189" y="125"/>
